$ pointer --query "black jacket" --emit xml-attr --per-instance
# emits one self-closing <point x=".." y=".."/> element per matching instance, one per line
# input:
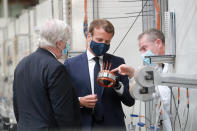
<point x="43" y="95"/>
<point x="111" y="102"/>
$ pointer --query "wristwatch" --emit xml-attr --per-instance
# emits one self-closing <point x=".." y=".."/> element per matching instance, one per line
<point x="118" y="85"/>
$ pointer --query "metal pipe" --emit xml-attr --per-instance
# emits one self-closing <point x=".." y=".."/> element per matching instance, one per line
<point x="5" y="8"/>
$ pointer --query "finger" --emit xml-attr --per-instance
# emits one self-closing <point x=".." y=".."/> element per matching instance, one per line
<point x="92" y="101"/>
<point x="114" y="70"/>
<point x="92" y="105"/>
<point x="91" y="97"/>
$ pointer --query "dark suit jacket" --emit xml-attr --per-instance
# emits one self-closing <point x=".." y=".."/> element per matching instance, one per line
<point x="44" y="97"/>
<point x="111" y="101"/>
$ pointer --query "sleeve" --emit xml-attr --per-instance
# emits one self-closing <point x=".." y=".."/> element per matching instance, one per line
<point x="121" y="90"/>
<point x="63" y="99"/>
<point x="126" y="97"/>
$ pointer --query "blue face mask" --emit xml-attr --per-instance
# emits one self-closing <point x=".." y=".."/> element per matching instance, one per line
<point x="99" y="48"/>
<point x="65" y="51"/>
<point x="147" y="60"/>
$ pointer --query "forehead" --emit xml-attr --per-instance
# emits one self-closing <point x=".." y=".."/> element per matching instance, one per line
<point x="101" y="33"/>
<point x="143" y="41"/>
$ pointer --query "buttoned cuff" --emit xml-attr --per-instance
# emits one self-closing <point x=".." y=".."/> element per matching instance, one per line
<point x="120" y="90"/>
<point x="79" y="102"/>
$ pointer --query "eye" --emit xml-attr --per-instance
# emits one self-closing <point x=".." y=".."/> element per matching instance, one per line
<point x="100" y="40"/>
<point x="107" y="41"/>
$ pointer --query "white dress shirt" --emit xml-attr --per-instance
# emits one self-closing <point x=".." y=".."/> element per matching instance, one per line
<point x="164" y="93"/>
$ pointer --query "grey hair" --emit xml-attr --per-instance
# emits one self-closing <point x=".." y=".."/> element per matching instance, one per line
<point x="52" y="31"/>
<point x="152" y="35"/>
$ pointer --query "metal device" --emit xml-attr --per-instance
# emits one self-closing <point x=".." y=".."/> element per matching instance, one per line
<point x="141" y="93"/>
<point x="105" y="77"/>
<point x="149" y="77"/>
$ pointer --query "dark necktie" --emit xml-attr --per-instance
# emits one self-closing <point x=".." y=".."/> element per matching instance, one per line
<point x="98" y="111"/>
<point x="97" y="88"/>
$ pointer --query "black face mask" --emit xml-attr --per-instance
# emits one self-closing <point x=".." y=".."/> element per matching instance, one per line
<point x="99" y="48"/>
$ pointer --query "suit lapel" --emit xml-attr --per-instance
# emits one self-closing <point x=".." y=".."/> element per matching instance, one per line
<point x="85" y="71"/>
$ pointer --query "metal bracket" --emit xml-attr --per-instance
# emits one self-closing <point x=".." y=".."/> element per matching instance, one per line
<point x="162" y="59"/>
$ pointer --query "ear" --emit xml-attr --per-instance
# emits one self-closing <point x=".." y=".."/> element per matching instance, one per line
<point x="89" y="37"/>
<point x="159" y="43"/>
<point x="58" y="44"/>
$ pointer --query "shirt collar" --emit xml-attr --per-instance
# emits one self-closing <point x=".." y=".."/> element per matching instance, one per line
<point x="52" y="53"/>
<point x="91" y="56"/>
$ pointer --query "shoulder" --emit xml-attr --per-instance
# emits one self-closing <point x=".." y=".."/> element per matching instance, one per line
<point x="113" y="57"/>
<point x="75" y="59"/>
<point x="46" y="60"/>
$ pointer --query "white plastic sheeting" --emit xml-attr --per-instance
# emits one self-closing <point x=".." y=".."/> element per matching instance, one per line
<point x="186" y="54"/>
<point x="22" y="40"/>
<point x="17" y="40"/>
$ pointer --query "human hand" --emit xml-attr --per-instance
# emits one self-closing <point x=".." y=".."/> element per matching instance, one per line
<point x="125" y="70"/>
<point x="88" y="101"/>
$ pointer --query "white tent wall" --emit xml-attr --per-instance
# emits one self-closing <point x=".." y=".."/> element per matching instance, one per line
<point x="22" y="33"/>
<point x="78" y="38"/>
<point x="43" y="12"/>
<point x="186" y="53"/>
<point x="1" y="53"/>
<point x="129" y="48"/>
<point x="32" y="31"/>
<point x="56" y="9"/>
<point x="10" y="54"/>
<point x="23" y="24"/>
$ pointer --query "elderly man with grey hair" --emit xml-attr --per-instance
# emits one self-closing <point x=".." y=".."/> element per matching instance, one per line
<point x="43" y="95"/>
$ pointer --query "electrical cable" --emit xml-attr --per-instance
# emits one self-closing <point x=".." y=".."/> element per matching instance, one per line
<point x="140" y="112"/>
<point x="171" y="110"/>
<point x="125" y="17"/>
<point x="134" y="1"/>
<point x="150" y="112"/>
<point x="187" y="108"/>
<point x="176" y="109"/>
<point x="130" y="27"/>
<point x="171" y="121"/>
<point x="157" y="14"/>
<point x="139" y="12"/>
<point x="140" y="116"/>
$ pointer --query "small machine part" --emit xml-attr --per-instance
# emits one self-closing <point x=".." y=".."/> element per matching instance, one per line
<point x="145" y="76"/>
<point x="131" y="126"/>
<point x="141" y="93"/>
<point x="144" y="90"/>
<point x="105" y="77"/>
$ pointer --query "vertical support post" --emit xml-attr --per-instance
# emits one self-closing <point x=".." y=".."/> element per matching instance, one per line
<point x="5" y="9"/>
<point x="95" y="9"/>
<point x="52" y="8"/>
<point x="29" y="32"/>
<point x="170" y="33"/>
<point x="4" y="64"/>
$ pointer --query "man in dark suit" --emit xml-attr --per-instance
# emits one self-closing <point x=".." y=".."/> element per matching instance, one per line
<point x="44" y="97"/>
<point x="100" y="107"/>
